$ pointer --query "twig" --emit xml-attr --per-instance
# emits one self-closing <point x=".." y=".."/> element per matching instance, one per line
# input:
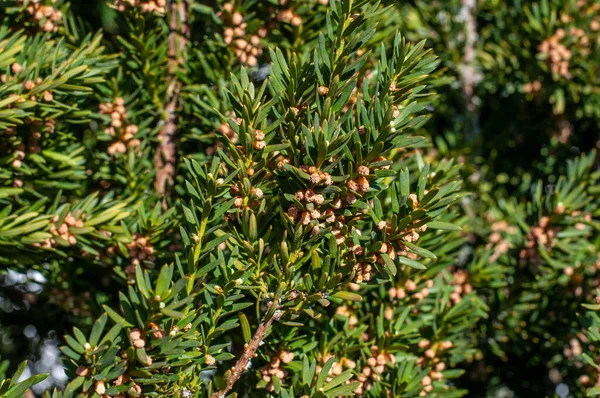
<point x="164" y="159"/>
<point x="467" y="70"/>
<point x="240" y="365"/>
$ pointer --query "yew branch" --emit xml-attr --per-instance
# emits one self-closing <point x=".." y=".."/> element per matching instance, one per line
<point x="249" y="351"/>
<point x="468" y="71"/>
<point x="165" y="157"/>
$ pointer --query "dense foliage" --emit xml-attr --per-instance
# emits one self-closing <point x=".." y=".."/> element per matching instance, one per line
<point x="299" y="198"/>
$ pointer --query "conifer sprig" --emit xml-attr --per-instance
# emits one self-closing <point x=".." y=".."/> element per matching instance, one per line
<point x="293" y="199"/>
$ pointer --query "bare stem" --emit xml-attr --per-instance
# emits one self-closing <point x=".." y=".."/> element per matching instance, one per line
<point x="249" y="351"/>
<point x="165" y="157"/>
<point x="468" y="71"/>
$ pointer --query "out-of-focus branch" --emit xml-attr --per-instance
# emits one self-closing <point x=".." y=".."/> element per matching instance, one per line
<point x="469" y="75"/>
<point x="165" y="157"/>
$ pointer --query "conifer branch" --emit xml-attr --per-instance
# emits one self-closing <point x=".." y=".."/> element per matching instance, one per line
<point x="467" y="70"/>
<point x="313" y="164"/>
<point x="164" y="159"/>
<point x="249" y="350"/>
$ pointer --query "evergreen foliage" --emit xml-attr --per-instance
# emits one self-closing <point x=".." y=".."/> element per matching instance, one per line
<point x="299" y="198"/>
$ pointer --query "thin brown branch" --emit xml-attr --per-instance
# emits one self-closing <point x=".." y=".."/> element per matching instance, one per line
<point x="469" y="74"/>
<point x="249" y="351"/>
<point x="165" y="157"/>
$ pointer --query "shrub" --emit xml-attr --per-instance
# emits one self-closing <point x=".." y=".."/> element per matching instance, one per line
<point x="295" y="199"/>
